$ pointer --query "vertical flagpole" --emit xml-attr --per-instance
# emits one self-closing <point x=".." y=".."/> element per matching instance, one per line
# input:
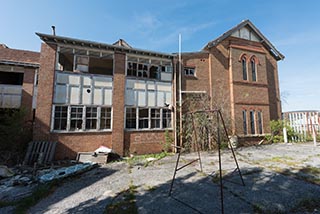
<point x="180" y="94"/>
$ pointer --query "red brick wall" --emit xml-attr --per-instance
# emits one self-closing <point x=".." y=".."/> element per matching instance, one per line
<point x="45" y="92"/>
<point x="71" y="143"/>
<point x="27" y="91"/>
<point x="144" y="142"/>
<point x="118" y="95"/>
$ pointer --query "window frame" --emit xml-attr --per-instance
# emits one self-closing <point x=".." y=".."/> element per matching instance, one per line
<point x="245" y="122"/>
<point x="244" y="68"/>
<point x="76" y="116"/>
<point x="189" y="71"/>
<point x="252" y="122"/>
<point x="161" y="118"/>
<point x="253" y="69"/>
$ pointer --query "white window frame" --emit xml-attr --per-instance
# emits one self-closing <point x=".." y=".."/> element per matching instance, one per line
<point x="190" y="71"/>
<point x="83" y="127"/>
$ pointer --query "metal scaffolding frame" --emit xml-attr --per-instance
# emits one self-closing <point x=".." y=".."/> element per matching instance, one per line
<point x="218" y="117"/>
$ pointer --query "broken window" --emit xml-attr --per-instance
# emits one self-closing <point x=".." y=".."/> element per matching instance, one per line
<point x="155" y="118"/>
<point x="76" y="118"/>
<point x="131" y="118"/>
<point x="93" y="62"/>
<point x="166" y="118"/>
<point x="148" y="68"/>
<point x="91" y="118"/>
<point x="188" y="71"/>
<point x="73" y="118"/>
<point x="60" y="117"/>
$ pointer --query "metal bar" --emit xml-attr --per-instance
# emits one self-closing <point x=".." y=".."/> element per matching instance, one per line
<point x="175" y="172"/>
<point x="196" y="140"/>
<point x="191" y="162"/>
<point x="220" y="169"/>
<point x="229" y="143"/>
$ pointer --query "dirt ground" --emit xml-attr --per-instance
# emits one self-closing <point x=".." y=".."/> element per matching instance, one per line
<point x="278" y="178"/>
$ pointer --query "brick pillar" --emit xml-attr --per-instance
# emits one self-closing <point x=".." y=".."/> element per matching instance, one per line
<point x="45" y="92"/>
<point x="118" y="99"/>
<point x="27" y="92"/>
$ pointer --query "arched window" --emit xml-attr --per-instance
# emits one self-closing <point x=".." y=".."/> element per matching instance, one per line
<point x="244" y="68"/>
<point x="253" y="69"/>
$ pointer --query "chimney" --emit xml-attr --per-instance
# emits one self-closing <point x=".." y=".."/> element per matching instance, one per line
<point x="53" y="30"/>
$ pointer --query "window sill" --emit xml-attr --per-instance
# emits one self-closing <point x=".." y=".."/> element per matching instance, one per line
<point x="80" y="132"/>
<point x="148" y="130"/>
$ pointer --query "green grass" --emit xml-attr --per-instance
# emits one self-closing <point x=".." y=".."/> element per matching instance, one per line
<point x="142" y="158"/>
<point x="124" y="202"/>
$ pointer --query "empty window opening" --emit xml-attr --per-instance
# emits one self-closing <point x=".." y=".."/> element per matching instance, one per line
<point x="85" y="61"/>
<point x="11" y="78"/>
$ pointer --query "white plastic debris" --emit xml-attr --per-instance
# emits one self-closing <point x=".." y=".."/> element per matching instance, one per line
<point x="5" y="172"/>
<point x="103" y="149"/>
<point x="64" y="172"/>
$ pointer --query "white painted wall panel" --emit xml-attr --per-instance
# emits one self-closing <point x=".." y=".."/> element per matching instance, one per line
<point x="74" y="95"/>
<point x="141" y="98"/>
<point x="86" y="97"/>
<point x="102" y="81"/>
<point x="140" y="85"/>
<point x="108" y="97"/>
<point x="168" y="97"/>
<point x="166" y="76"/>
<point x="164" y="87"/>
<point x="74" y="79"/>
<point x="130" y="97"/>
<point x="97" y="96"/>
<point x="151" y="98"/>
<point x="160" y="98"/>
<point x="60" y="95"/>
<point x="62" y="78"/>
<point x="86" y="80"/>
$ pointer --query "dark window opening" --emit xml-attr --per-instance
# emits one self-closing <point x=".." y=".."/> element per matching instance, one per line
<point x="253" y="69"/>
<point x="166" y="118"/>
<point x="143" y="118"/>
<point x="252" y="123"/>
<point x="91" y="117"/>
<point x="260" y="122"/>
<point x="105" y="120"/>
<point x="76" y="118"/>
<point x="155" y="118"/>
<point x="244" y="69"/>
<point x="131" y="118"/>
<point x="60" y="117"/>
<point x="244" y="116"/>
<point x="11" y="78"/>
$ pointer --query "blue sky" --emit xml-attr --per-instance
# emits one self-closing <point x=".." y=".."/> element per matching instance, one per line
<point x="292" y="26"/>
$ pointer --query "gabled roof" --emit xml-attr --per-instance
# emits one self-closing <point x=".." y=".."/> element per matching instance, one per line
<point x="53" y="39"/>
<point x="264" y="41"/>
<point x="19" y="57"/>
<point x="122" y="43"/>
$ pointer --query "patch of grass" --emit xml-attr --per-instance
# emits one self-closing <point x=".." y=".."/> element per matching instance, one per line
<point x="311" y="170"/>
<point x="216" y="176"/>
<point x="151" y="188"/>
<point x="140" y="159"/>
<point x="124" y="202"/>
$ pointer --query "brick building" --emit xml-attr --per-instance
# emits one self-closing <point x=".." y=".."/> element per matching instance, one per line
<point x="92" y="94"/>
<point x="238" y="71"/>
<point x="18" y="79"/>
